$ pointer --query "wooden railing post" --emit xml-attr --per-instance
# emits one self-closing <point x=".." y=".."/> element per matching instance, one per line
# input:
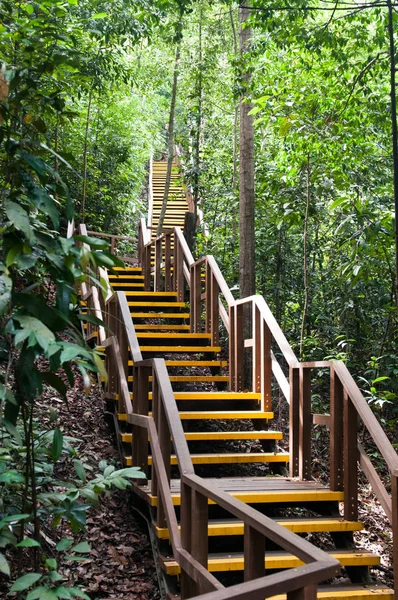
<point x="196" y="299"/>
<point x="199" y="524"/>
<point x="147" y="267"/>
<point x="350" y="460"/>
<point x="140" y="407"/>
<point x="167" y="264"/>
<point x="294" y="420"/>
<point x="158" y="263"/>
<point x="262" y="362"/>
<point x="254" y="549"/>
<point x="305" y="424"/>
<point x="178" y="270"/>
<point x="394" y="523"/>
<point x="212" y="306"/>
<point x="237" y="347"/>
<point x="336" y="432"/>
<point x="162" y="427"/>
<point x="188" y="586"/>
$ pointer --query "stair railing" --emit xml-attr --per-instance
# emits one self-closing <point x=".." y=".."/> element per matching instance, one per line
<point x="163" y="430"/>
<point x="348" y="409"/>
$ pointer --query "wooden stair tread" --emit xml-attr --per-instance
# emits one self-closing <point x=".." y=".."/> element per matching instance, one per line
<point x="152" y="294"/>
<point x="192" y="363"/>
<point x="161" y="327"/>
<point x="227" y="458"/>
<point x="188" y="349"/>
<point x="150" y="315"/>
<point x="193" y="378"/>
<point x="200" y="415"/>
<point x="145" y="304"/>
<point x="229" y="527"/>
<point x="180" y="336"/>
<point x="193" y="436"/>
<point x="337" y="592"/>
<point x="234" y="561"/>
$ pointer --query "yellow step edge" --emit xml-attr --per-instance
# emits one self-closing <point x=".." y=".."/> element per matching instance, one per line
<point x="211" y="396"/>
<point x="133" y="277"/>
<point x="173" y="336"/>
<point x="188" y="349"/>
<point x="153" y="294"/>
<point x="276" y="561"/>
<point x="269" y="497"/>
<point x="224" y="459"/>
<point x="123" y="284"/>
<point x="128" y="269"/>
<point x="192" y="363"/>
<point x="217" y="529"/>
<point x="192" y="436"/>
<point x="363" y="593"/>
<point x="156" y="315"/>
<point x="199" y="415"/>
<point x="145" y="304"/>
<point x="162" y="327"/>
<point x="192" y="378"/>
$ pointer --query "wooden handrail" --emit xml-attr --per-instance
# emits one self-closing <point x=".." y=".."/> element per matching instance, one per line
<point x="111" y="235"/>
<point x="368" y="417"/>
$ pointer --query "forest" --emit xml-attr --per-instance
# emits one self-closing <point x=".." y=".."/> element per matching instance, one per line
<point x="283" y="116"/>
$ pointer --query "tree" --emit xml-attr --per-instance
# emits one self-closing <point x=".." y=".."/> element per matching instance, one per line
<point x="247" y="274"/>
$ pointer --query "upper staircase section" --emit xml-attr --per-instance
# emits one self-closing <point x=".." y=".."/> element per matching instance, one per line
<point x="177" y="203"/>
<point x="172" y="314"/>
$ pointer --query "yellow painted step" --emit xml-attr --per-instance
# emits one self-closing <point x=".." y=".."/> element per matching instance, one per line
<point x="347" y="592"/>
<point x="199" y="415"/>
<point x="174" y="336"/>
<point x="128" y="269"/>
<point x="152" y="294"/>
<point x="220" y="435"/>
<point x="145" y="304"/>
<point x="132" y="277"/>
<point x="225" y="396"/>
<point x="123" y="284"/>
<point x="273" y="497"/>
<point x="224" y="459"/>
<point x="192" y="363"/>
<point x="275" y="560"/>
<point x="161" y="327"/>
<point x="154" y="315"/>
<point x="189" y="349"/>
<point x="193" y="378"/>
<point x="235" y="527"/>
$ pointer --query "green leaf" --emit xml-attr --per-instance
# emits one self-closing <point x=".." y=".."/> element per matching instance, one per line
<point x="62" y="592"/>
<point x="109" y="469"/>
<point x="25" y="582"/>
<point x="5" y="292"/>
<point x="19" y="218"/>
<point x="80" y="470"/>
<point x="82" y="547"/>
<point x="382" y="378"/>
<point x="51" y="563"/>
<point x="28" y="543"/>
<point x="337" y="203"/>
<point x="64" y="544"/>
<point x="99" y="15"/>
<point x="12" y="430"/>
<point x="4" y="566"/>
<point x="55" y="382"/>
<point x="31" y="324"/>
<point x="57" y="444"/>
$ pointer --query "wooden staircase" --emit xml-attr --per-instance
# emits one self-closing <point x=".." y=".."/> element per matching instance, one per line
<point x="234" y="513"/>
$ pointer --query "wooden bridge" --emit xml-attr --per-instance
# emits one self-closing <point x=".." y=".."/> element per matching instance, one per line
<point x="194" y="376"/>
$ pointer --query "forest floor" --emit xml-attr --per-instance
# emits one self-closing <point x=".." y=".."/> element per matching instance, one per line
<point x="120" y="564"/>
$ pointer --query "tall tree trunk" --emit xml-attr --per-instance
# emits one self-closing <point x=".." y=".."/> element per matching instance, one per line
<point x="235" y="150"/>
<point x="394" y="131"/>
<point x="247" y="278"/>
<point x="170" y="152"/>
<point x="305" y="261"/>
<point x="84" y="187"/>
<point x="199" y="121"/>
